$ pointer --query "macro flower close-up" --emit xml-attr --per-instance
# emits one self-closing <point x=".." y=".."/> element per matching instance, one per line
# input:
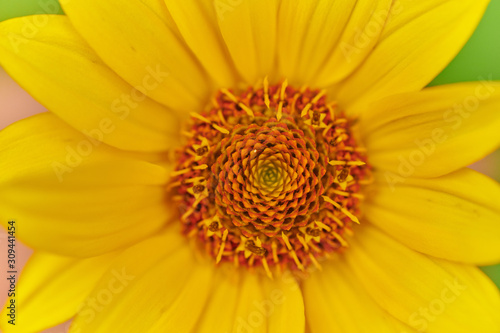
<point x="250" y="166"/>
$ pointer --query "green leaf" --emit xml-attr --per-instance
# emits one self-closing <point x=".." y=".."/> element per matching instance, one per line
<point x="480" y="58"/>
<point x="17" y="8"/>
<point x="494" y="273"/>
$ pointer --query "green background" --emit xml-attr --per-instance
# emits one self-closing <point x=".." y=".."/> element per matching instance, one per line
<point x="480" y="58"/>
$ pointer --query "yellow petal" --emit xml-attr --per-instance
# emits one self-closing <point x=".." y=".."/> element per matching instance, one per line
<point x="159" y="8"/>
<point x="249" y="31"/>
<point x="417" y="43"/>
<point x="73" y="195"/>
<point x="219" y="313"/>
<point x="60" y="284"/>
<point x="285" y="304"/>
<point x="137" y="40"/>
<point x="197" y="23"/>
<point x="162" y="282"/>
<point x="190" y="301"/>
<point x="316" y="38"/>
<point x="455" y="217"/>
<point x="252" y="310"/>
<point x="428" y="294"/>
<point x="435" y="131"/>
<point x="245" y="302"/>
<point x="61" y="71"/>
<point x="337" y="302"/>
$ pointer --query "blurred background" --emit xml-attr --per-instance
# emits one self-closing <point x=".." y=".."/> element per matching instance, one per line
<point x="479" y="59"/>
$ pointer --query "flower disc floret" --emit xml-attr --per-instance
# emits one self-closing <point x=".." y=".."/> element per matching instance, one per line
<point x="270" y="177"/>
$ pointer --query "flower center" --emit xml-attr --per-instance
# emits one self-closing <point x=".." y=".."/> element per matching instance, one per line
<point x="270" y="177"/>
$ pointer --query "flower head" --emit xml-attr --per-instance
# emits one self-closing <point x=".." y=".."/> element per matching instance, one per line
<point x="270" y="177"/>
<point x="244" y="166"/>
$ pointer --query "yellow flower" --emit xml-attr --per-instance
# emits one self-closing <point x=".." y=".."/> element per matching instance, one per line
<point x="289" y="110"/>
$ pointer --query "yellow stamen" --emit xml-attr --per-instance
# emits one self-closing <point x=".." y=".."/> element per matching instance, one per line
<point x="192" y="208"/>
<point x="342" y="209"/>
<point x="266" y="268"/>
<point x="335" y="218"/>
<point x="292" y="252"/>
<point x="200" y="117"/>
<point x="296" y="259"/>
<point x="287" y="242"/>
<point x="283" y="90"/>
<point x="331" y="110"/>
<point x="325" y="131"/>
<point x="194" y="180"/>
<point x="280" y="111"/>
<point x="222" y="246"/>
<point x="348" y="194"/>
<point x="305" y="110"/>
<point x="274" y="246"/>
<point x="318" y="96"/>
<point x="340" y="239"/>
<point x="266" y="92"/>
<point x="187" y="213"/>
<point x="313" y="101"/>
<point x="200" y="167"/>
<point x="294" y="102"/>
<point x="229" y="95"/>
<point x="251" y="261"/>
<point x="173" y="185"/>
<point x="179" y="172"/>
<point x="343" y="193"/>
<point x="303" y="242"/>
<point x="315" y="248"/>
<point x="220" y="129"/>
<point x="315" y="262"/>
<point x="322" y="225"/>
<point x="350" y="163"/>
<point x="246" y="109"/>
<point x="221" y="117"/>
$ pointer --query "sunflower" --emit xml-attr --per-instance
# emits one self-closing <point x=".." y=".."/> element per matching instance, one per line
<point x="250" y="166"/>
